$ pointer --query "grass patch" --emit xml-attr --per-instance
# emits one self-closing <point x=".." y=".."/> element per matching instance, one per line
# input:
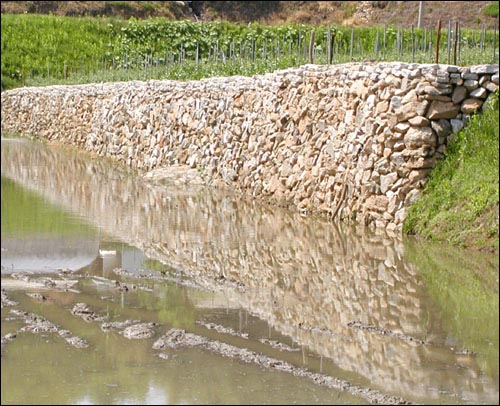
<point x="44" y="45"/>
<point x="491" y="9"/>
<point x="460" y="201"/>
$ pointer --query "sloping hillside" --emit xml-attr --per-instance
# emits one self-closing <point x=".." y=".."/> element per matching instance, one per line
<point x="359" y="13"/>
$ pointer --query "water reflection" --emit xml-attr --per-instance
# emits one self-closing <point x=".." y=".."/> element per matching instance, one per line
<point x="120" y="371"/>
<point x="39" y="237"/>
<point x="308" y="278"/>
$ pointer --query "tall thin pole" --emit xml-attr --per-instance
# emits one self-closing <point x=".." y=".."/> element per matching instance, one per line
<point x="420" y="14"/>
<point x="412" y="46"/>
<point x="437" y="40"/>
<point x="455" y="44"/>
<point x="329" y="44"/>
<point x="383" y="48"/>
<point x="352" y="41"/>
<point x="495" y="42"/>
<point x="448" y="41"/>
<point x="311" y="47"/>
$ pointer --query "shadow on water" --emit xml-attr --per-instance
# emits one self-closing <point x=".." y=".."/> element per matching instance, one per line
<point x="406" y="318"/>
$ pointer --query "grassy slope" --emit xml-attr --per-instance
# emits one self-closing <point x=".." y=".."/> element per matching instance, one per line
<point x="460" y="201"/>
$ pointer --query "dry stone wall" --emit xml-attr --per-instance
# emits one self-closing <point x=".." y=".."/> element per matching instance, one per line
<point x="355" y="141"/>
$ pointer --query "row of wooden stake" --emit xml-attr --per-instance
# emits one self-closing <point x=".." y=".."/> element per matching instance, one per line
<point x="331" y="41"/>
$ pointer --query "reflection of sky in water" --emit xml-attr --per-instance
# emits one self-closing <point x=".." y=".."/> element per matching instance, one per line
<point x="38" y="236"/>
<point x="154" y="396"/>
<point x="47" y="255"/>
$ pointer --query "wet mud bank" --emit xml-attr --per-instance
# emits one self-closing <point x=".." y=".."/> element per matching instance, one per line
<point x="176" y="338"/>
<point x="336" y="301"/>
<point x="37" y="324"/>
<point x="173" y="340"/>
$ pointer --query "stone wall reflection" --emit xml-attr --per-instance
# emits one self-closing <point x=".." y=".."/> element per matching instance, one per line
<point x="307" y="277"/>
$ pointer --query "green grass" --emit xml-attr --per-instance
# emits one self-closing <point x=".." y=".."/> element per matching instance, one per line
<point x="188" y="70"/>
<point x="460" y="201"/>
<point x="491" y="9"/>
<point x="45" y="49"/>
<point x="42" y="45"/>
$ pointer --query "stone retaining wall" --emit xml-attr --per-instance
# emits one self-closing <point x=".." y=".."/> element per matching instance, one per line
<point x="354" y="141"/>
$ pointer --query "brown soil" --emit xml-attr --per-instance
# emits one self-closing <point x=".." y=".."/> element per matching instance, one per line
<point x="357" y="13"/>
<point x="405" y="13"/>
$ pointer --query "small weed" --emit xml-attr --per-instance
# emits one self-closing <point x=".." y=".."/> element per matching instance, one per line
<point x="491" y="9"/>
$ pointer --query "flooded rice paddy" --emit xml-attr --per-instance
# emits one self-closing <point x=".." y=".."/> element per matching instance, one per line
<point x="121" y="291"/>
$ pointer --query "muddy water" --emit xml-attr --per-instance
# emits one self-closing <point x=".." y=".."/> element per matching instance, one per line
<point x="327" y="314"/>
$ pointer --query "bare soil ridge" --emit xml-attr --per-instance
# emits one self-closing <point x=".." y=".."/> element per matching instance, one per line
<point x="354" y="13"/>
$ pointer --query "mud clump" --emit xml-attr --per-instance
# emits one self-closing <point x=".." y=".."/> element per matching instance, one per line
<point x="86" y="313"/>
<point x="222" y="329"/>
<point x="8" y="337"/>
<point x="35" y="323"/>
<point x="278" y="345"/>
<point x="21" y="276"/>
<point x="6" y="301"/>
<point x="385" y="332"/>
<point x="139" y="331"/>
<point x="176" y="338"/>
<point x="77" y="342"/>
<point x="118" y="325"/>
<point x="37" y="296"/>
<point x="38" y="324"/>
<point x="64" y="333"/>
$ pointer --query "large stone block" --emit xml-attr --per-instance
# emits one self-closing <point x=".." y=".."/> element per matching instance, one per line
<point x="439" y="109"/>
<point x="416" y="137"/>
<point x="470" y="106"/>
<point x="459" y="94"/>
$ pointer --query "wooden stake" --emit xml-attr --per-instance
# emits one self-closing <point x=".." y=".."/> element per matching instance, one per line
<point x="352" y="43"/>
<point x="311" y="47"/>
<point x="455" y="42"/>
<point x="329" y="45"/>
<point x="437" y="40"/>
<point x="412" y="46"/>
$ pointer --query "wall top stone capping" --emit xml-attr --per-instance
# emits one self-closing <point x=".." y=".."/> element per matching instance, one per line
<point x="399" y="69"/>
<point x="354" y="141"/>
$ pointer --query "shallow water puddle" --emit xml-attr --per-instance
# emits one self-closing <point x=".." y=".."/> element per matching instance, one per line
<point x="285" y="309"/>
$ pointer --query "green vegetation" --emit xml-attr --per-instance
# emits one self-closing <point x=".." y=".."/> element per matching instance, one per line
<point x="460" y="201"/>
<point x="44" y="45"/>
<point x="491" y="9"/>
<point x="464" y="290"/>
<point x="44" y="49"/>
